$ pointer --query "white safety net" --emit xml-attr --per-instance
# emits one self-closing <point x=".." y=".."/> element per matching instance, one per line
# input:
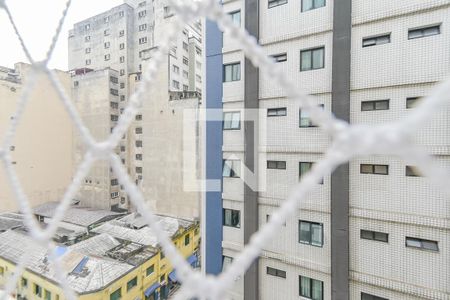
<point x="348" y="141"/>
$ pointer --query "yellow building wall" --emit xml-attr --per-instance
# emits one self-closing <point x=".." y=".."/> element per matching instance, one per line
<point x="162" y="267"/>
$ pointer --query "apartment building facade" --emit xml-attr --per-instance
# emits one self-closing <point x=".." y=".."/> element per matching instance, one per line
<point x="41" y="150"/>
<point x="374" y="228"/>
<point x="124" y="39"/>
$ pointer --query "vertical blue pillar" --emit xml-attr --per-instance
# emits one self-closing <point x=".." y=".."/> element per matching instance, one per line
<point x="213" y="199"/>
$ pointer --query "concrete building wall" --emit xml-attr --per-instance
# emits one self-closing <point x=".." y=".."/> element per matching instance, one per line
<point x="42" y="147"/>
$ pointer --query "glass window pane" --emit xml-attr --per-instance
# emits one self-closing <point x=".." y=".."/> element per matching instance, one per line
<point x="226" y="169"/>
<point x="271" y="164"/>
<point x="384" y="39"/>
<point x="227" y="120"/>
<point x="227" y="217"/>
<point x="307" y="5"/>
<point x="235" y="218"/>
<point x="431" y="31"/>
<point x="367" y="105"/>
<point x="430" y="245"/>
<point x="368" y="235"/>
<point x="380" y="236"/>
<point x="304" y="168"/>
<point x="366" y="169"/>
<point x="304" y="119"/>
<point x="305" y="61"/>
<point x="413" y="243"/>
<point x="369" y="42"/>
<point x="235" y="121"/>
<point x="305" y="232"/>
<point x="236" y="72"/>
<point x="228" y="73"/>
<point x="319" y="3"/>
<point x="271" y="112"/>
<point x="381" y="105"/>
<point x="226" y="262"/>
<point x="415" y="34"/>
<point x="317" y="289"/>
<point x="316" y="235"/>
<point x="305" y="286"/>
<point x="281" y="111"/>
<point x="237" y="168"/>
<point x="318" y="59"/>
<point x="381" y="169"/>
<point x="281" y="165"/>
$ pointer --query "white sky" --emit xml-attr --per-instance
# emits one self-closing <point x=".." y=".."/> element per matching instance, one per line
<point x="37" y="21"/>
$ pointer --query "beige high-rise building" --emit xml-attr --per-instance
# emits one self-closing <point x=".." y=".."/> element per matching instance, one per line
<point x="42" y="147"/>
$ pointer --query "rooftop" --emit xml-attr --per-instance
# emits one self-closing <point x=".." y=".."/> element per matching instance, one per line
<point x="78" y="215"/>
<point x="10" y="221"/>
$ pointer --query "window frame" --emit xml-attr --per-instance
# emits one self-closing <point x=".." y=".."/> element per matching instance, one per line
<point x="132" y="283"/>
<point x="366" y="296"/>
<point x="275" y="3"/>
<point x="314" y="6"/>
<point x="374" y="105"/>
<point x="233" y="173"/>
<point x="421" y="241"/>
<point x="412" y="171"/>
<point x="280" y="57"/>
<point x="113" y="296"/>
<point x="277" y="111"/>
<point x="310" y="242"/>
<point x="373" y="235"/>
<point x="279" y="165"/>
<point x="377" y="40"/>
<point x="312" y="58"/>
<point x="232" y="65"/>
<point x="373" y="166"/>
<point x="422" y="30"/>
<point x="231" y="127"/>
<point x="311" y="281"/>
<point x="233" y="212"/>
<point x="275" y="272"/>
<point x="310" y="123"/>
<point x="232" y="15"/>
<point x="412" y="102"/>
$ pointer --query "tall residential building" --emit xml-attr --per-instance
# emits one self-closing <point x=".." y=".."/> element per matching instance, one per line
<point x="41" y="150"/>
<point x="123" y="40"/>
<point x="374" y="228"/>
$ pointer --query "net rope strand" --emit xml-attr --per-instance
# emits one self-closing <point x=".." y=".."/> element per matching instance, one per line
<point x="348" y="141"/>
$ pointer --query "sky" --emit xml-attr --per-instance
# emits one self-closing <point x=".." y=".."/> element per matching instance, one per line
<point x="37" y="21"/>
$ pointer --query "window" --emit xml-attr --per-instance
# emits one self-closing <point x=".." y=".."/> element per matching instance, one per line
<point x="185" y="60"/>
<point x="138" y="117"/>
<point x="422" y="244"/>
<point x="150" y="270"/>
<point x="232" y="72"/>
<point x="121" y="13"/>
<point x="47" y="295"/>
<point x="231" y="168"/>
<point x="107" y="45"/>
<point x="106" y="19"/>
<point x="305" y="120"/>
<point x="142" y="27"/>
<point x="122" y="59"/>
<point x="175" y="84"/>
<point x="24" y="282"/>
<point x="138" y="156"/>
<point x="365" y="296"/>
<point x="374" y="235"/>
<point x="276" y="272"/>
<point x="122" y="85"/>
<point x="122" y="33"/>
<point x="114" y="182"/>
<point x="280" y="57"/>
<point x="122" y="72"/>
<point x="376" y="40"/>
<point x="122" y="46"/>
<point x="232" y="120"/>
<point x="106" y="32"/>
<point x="139" y="170"/>
<point x="87" y="26"/>
<point x="310" y="233"/>
<point x="37" y="290"/>
<point x="276" y="112"/>
<point x="236" y="17"/>
<point x="122" y="97"/>
<point x="142" y="13"/>
<point x="226" y="262"/>
<point x="114" y="79"/>
<point x="187" y="240"/>
<point x="87" y="38"/>
<point x="107" y="57"/>
<point x="280" y="165"/>
<point x="312" y="4"/>
<point x="198" y="78"/>
<point x="185" y="46"/>
<point x="375" y="105"/>
<point x="122" y="148"/>
<point x="114" y="118"/>
<point x="116" y="295"/>
<point x="312" y="59"/>
<point x="167" y="12"/>
<point x="176" y="69"/>
<point x="88" y="62"/>
<point x="114" y="92"/>
<point x="143" y="40"/>
<point x="185" y="87"/>
<point x="131" y="284"/>
<point x="374" y="169"/>
<point x="412" y="171"/>
<point x="114" y="105"/>
<point x="138" y="130"/>
<point x="310" y="288"/>
<point x="304" y="168"/>
<point x="231" y="218"/>
<point x="185" y="74"/>
<point x="273" y="3"/>
<point x="198" y="51"/>
<point x="139" y="144"/>
<point x="412" y="102"/>
<point x="76" y="84"/>
<point x="87" y="50"/>
<point x="424" y="32"/>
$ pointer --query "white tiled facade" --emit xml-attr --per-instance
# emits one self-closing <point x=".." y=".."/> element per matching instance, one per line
<point x="401" y="206"/>
<point x="123" y="39"/>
